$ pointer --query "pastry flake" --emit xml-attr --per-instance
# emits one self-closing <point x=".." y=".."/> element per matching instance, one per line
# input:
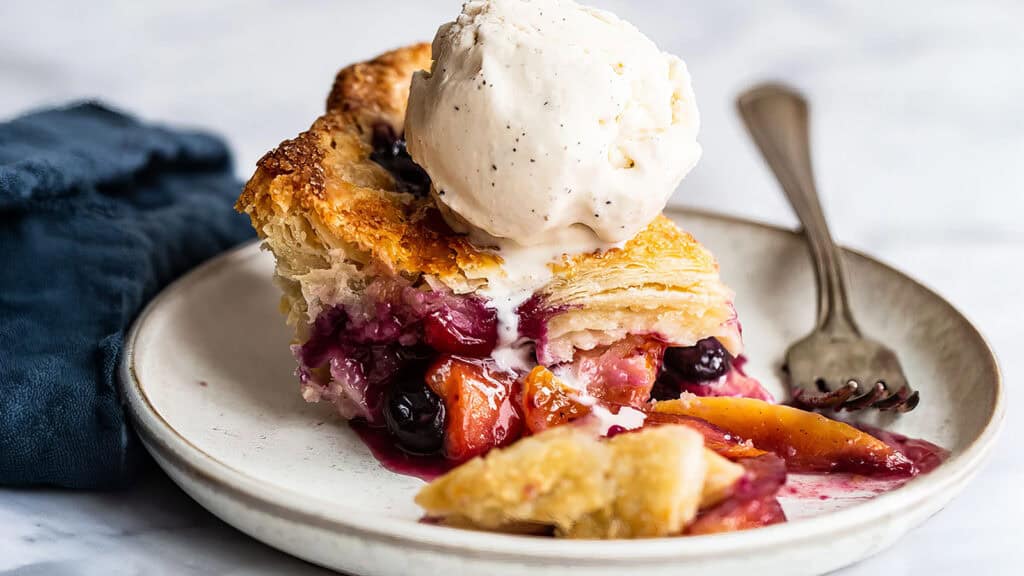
<point x="643" y="484"/>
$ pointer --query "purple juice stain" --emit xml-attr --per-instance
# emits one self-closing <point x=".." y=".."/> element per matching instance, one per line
<point x="925" y="455"/>
<point x="382" y="446"/>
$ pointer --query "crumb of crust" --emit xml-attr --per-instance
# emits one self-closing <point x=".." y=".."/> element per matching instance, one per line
<point x="647" y="483"/>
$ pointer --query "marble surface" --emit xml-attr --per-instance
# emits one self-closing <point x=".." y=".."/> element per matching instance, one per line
<point x="918" y="142"/>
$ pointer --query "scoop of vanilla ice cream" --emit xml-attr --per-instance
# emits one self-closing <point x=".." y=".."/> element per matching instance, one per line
<point x="540" y="115"/>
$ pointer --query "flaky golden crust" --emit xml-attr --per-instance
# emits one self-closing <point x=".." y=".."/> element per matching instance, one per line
<point x="331" y="215"/>
<point x="379" y="89"/>
<point x="662" y="282"/>
<point x="644" y="484"/>
<point x="326" y="178"/>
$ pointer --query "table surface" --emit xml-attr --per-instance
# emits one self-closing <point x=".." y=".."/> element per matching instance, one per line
<point x="918" y="143"/>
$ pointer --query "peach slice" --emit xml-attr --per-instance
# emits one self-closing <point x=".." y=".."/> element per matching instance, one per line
<point x="548" y="402"/>
<point x="807" y="441"/>
<point x="622" y="373"/>
<point x="480" y="406"/>
<point x="723" y="443"/>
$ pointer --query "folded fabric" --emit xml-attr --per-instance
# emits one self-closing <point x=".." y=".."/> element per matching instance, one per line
<point x="97" y="212"/>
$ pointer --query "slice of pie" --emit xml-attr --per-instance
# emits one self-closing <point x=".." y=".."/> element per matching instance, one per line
<point x="391" y="320"/>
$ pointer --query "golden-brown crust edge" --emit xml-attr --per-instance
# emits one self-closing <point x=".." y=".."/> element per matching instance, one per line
<point x="326" y="177"/>
<point x="379" y="89"/>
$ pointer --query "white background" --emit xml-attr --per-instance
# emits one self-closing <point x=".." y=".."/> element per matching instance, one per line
<point x="918" y="110"/>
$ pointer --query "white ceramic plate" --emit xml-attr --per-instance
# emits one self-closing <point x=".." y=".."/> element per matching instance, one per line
<point x="208" y="379"/>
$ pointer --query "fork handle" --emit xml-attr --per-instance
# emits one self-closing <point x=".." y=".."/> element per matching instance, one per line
<point x="776" y="117"/>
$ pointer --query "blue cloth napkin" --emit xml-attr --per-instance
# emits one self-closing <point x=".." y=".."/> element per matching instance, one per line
<point x="97" y="212"/>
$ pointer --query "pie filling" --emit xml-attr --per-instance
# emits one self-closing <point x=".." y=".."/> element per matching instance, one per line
<point x="417" y="363"/>
<point x="412" y="370"/>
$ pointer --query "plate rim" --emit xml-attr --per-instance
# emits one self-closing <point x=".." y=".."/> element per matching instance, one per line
<point x="160" y="437"/>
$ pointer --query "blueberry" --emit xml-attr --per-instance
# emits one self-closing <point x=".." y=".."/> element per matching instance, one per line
<point x="415" y="416"/>
<point x="707" y="360"/>
<point x="390" y="153"/>
<point x="666" y="387"/>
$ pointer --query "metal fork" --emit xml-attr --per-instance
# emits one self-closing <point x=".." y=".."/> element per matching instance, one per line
<point x="834" y="366"/>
